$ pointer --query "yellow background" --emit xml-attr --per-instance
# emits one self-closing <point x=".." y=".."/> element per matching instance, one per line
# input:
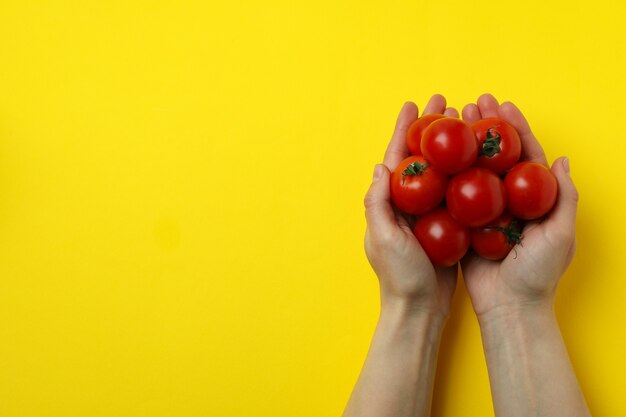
<point x="181" y="185"/>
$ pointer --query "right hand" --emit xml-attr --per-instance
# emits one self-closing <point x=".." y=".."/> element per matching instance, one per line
<point x="528" y="276"/>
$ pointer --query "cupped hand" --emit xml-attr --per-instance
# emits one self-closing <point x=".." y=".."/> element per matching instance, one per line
<point x="529" y="275"/>
<point x="406" y="275"/>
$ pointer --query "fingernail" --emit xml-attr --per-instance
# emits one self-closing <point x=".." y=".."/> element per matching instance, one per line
<point x="378" y="171"/>
<point x="566" y="164"/>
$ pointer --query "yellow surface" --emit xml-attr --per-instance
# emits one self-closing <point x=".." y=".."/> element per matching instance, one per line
<point x="181" y="189"/>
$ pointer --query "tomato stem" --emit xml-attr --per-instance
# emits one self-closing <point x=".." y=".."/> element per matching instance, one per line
<point x="512" y="233"/>
<point x="491" y="145"/>
<point x="414" y="169"/>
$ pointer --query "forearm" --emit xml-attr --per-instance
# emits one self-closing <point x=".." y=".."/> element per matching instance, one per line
<point x="397" y="377"/>
<point x="529" y="368"/>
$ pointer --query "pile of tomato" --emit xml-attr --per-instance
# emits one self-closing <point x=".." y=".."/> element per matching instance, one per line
<point x="468" y="188"/>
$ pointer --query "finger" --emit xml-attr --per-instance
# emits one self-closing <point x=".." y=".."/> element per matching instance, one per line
<point x="488" y="106"/>
<point x="563" y="216"/>
<point x="436" y="105"/>
<point x="531" y="149"/>
<point x="471" y="113"/>
<point x="397" y="150"/>
<point x="379" y="213"/>
<point x="451" y="112"/>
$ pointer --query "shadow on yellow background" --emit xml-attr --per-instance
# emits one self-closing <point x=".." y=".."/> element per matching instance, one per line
<point x="181" y="185"/>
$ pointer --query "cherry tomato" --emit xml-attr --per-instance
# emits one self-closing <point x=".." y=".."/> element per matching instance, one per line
<point x="498" y="144"/>
<point x="443" y="239"/>
<point x="416" y="187"/>
<point x="496" y="240"/>
<point x="531" y="189"/>
<point x="450" y="145"/>
<point x="416" y="130"/>
<point x="476" y="197"/>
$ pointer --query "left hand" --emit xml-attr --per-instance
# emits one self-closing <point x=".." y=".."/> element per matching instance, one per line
<point x="406" y="275"/>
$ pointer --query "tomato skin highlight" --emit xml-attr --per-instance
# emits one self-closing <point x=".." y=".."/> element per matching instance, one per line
<point x="416" y="130"/>
<point x="491" y="243"/>
<point x="417" y="194"/>
<point x="532" y="190"/>
<point x="442" y="238"/>
<point x="476" y="197"/>
<point x="450" y="145"/>
<point x="509" y="144"/>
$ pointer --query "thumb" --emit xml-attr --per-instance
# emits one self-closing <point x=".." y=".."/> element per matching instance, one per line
<point x="563" y="215"/>
<point x="378" y="211"/>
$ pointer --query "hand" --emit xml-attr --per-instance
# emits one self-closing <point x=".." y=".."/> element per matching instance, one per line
<point x="529" y="275"/>
<point x="407" y="277"/>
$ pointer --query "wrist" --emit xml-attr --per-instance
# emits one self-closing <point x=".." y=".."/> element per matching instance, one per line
<point x="503" y="312"/>
<point x="424" y="305"/>
<point x="412" y="318"/>
<point x="516" y="324"/>
<point x="411" y="307"/>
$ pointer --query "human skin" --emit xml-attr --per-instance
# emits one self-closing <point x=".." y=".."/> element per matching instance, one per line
<point x="529" y="369"/>
<point x="397" y="377"/>
<point x="530" y="372"/>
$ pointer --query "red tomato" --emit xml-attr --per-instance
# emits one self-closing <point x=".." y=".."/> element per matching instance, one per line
<point x="416" y="130"/>
<point x="416" y="187"/>
<point x="498" y="144"/>
<point x="450" y="145"/>
<point x="496" y="240"/>
<point x="476" y="197"/>
<point x="443" y="239"/>
<point x="531" y="189"/>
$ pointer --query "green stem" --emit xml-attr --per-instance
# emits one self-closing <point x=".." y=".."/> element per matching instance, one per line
<point x="491" y="145"/>
<point x="512" y="233"/>
<point x="414" y="169"/>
